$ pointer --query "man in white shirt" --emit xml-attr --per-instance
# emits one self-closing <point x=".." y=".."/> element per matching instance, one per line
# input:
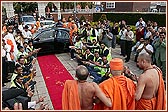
<point x="148" y="32"/>
<point x="129" y="41"/>
<point x="145" y="47"/>
<point x="140" y="21"/>
<point x="11" y="45"/>
<point x="122" y="35"/>
<point x="20" y="27"/>
<point x="27" y="34"/>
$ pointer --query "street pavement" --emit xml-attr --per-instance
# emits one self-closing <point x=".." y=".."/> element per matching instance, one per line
<point x="70" y="65"/>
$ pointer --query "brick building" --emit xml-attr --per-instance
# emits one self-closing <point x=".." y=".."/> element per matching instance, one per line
<point x="126" y="6"/>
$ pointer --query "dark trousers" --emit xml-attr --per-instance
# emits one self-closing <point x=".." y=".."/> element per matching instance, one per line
<point x="4" y="69"/>
<point x="123" y="46"/>
<point x="114" y="41"/>
<point x="93" y="72"/>
<point x="128" y="49"/>
<point x="72" y="51"/>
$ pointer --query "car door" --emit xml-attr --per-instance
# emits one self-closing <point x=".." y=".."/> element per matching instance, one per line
<point x="45" y="41"/>
<point x="61" y="40"/>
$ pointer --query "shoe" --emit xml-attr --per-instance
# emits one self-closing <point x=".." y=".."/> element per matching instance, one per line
<point x="71" y="59"/>
<point x="91" y="77"/>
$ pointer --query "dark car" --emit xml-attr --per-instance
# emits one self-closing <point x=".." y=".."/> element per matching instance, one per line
<point x="52" y="40"/>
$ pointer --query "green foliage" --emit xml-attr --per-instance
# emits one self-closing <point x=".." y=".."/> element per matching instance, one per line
<point x="103" y="17"/>
<point x="93" y="23"/>
<point x="132" y="18"/>
<point x="27" y="7"/>
<point x="133" y="28"/>
<point x="82" y="18"/>
<point x="4" y="10"/>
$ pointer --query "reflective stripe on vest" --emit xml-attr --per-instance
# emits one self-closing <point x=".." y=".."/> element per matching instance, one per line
<point x="109" y="54"/>
<point x="88" y="55"/>
<point x="103" y="71"/>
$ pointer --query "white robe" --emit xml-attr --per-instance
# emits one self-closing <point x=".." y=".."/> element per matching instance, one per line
<point x="11" y="37"/>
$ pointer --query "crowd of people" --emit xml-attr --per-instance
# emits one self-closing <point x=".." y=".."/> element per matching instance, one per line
<point x="18" y="66"/>
<point x="92" y="47"/>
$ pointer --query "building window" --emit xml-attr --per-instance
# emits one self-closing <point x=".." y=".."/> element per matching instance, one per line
<point x="110" y="5"/>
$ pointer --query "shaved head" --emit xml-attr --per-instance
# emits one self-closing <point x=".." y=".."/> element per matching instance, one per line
<point x="82" y="72"/>
<point x="146" y="57"/>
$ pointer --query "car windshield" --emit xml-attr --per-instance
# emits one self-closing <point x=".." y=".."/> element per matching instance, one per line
<point x="28" y="19"/>
<point x="47" y="23"/>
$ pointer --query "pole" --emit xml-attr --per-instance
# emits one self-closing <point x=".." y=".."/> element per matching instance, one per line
<point x="59" y="12"/>
<point x="75" y="10"/>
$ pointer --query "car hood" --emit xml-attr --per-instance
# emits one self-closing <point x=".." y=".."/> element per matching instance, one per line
<point x="29" y="23"/>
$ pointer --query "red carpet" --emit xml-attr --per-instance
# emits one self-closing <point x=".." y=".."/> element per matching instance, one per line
<point x="54" y="74"/>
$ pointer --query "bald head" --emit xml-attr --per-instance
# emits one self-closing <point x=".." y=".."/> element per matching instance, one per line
<point x="146" y="57"/>
<point x="82" y="72"/>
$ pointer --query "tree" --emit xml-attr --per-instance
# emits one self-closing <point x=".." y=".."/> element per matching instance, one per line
<point x="103" y="17"/>
<point x="3" y="10"/>
<point x="27" y="7"/>
<point x="82" y="18"/>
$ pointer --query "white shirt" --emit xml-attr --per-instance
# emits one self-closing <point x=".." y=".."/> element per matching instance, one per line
<point x="130" y="36"/>
<point x="78" y="45"/>
<point x="149" y="47"/>
<point x="148" y="34"/>
<point x="27" y="34"/>
<point x="10" y="37"/>
<point x="122" y="34"/>
<point x="32" y="104"/>
<point x="3" y="52"/>
<point x="20" y="27"/>
<point x="100" y="32"/>
<point x="143" y="24"/>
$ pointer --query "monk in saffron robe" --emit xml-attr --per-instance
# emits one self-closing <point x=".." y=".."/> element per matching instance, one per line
<point x="120" y="89"/>
<point x="64" y="23"/>
<point x="79" y="94"/>
<point x="150" y="92"/>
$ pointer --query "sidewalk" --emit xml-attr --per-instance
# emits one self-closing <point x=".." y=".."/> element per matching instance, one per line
<point x="70" y="65"/>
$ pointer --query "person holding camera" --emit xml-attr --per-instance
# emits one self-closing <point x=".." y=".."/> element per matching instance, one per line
<point x="123" y="40"/>
<point x="107" y="38"/>
<point x="160" y="53"/>
<point x="115" y="32"/>
<point x="129" y="42"/>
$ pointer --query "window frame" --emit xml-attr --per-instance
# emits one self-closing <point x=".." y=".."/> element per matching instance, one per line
<point x="65" y="32"/>
<point x="109" y="5"/>
<point x="48" y="37"/>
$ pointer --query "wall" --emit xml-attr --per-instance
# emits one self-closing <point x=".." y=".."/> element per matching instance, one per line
<point x="124" y="7"/>
<point x="120" y="7"/>
<point x="140" y="6"/>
